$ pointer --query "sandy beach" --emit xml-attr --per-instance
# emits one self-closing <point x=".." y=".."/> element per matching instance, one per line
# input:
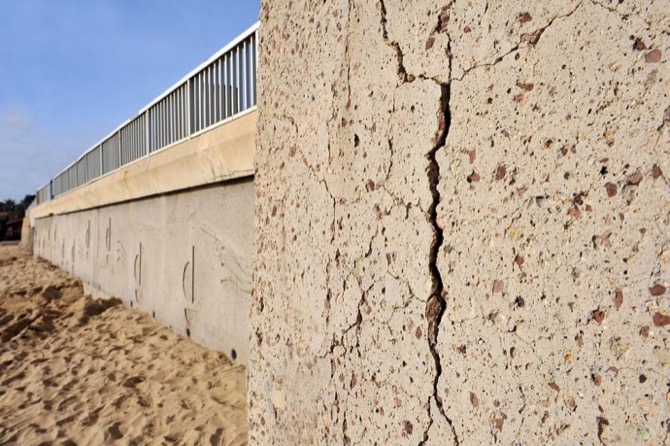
<point x="75" y="371"/>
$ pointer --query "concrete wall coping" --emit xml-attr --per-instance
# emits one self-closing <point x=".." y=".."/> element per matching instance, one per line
<point x="223" y="153"/>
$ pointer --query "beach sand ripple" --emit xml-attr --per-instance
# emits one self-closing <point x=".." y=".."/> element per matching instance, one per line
<point x="79" y="371"/>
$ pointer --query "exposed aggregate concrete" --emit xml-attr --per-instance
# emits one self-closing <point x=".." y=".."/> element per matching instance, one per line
<point x="463" y="224"/>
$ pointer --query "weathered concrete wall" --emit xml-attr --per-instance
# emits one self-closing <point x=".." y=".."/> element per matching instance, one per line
<point x="462" y="223"/>
<point x="26" y="234"/>
<point x="184" y="258"/>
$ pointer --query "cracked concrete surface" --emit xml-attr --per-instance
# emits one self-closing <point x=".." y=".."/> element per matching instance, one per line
<point x="462" y="223"/>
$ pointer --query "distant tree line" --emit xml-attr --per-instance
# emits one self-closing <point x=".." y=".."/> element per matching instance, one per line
<point x="13" y="207"/>
<point x="12" y="212"/>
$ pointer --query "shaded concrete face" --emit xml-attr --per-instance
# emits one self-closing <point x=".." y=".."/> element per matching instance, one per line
<point x="462" y="224"/>
<point x="183" y="258"/>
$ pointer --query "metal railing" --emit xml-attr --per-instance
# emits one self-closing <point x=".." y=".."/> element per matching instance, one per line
<point x="219" y="89"/>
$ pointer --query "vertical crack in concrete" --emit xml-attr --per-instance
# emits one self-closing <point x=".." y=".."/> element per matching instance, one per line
<point x="436" y="304"/>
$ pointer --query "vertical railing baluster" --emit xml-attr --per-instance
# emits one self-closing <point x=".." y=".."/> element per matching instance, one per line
<point x="184" y="111"/>
<point x="225" y="86"/>
<point x="201" y="100"/>
<point x="118" y="142"/>
<point x="208" y="86"/>
<point x="239" y="79"/>
<point x="189" y="108"/>
<point x="208" y="79"/>
<point x="163" y="122"/>
<point x="197" y="102"/>
<point x="238" y="69"/>
<point x="149" y="131"/>
<point x="219" y="91"/>
<point x="252" y="72"/>
<point x="245" y="66"/>
<point x="159" y="125"/>
<point x="175" y="115"/>
<point x="212" y="93"/>
<point x="133" y="137"/>
<point x="232" y="84"/>
<point x="152" y="129"/>
<point x="177" y="111"/>
<point x="168" y="117"/>
<point x="173" y="122"/>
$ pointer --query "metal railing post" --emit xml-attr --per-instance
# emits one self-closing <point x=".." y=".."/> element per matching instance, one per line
<point x="118" y="143"/>
<point x="146" y="132"/>
<point x="188" y="108"/>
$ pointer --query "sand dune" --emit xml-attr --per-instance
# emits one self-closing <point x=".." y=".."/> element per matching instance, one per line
<point x="74" y="371"/>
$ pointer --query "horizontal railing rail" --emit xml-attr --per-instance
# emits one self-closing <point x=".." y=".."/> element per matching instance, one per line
<point x="219" y="89"/>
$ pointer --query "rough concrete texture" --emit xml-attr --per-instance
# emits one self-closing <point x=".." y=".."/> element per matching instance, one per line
<point x="183" y="258"/>
<point x="463" y="223"/>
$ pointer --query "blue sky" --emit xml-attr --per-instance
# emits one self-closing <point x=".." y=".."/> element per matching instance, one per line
<point x="71" y="71"/>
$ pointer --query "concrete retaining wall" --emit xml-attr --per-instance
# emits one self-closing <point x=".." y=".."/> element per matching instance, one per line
<point x="462" y="223"/>
<point x="184" y="258"/>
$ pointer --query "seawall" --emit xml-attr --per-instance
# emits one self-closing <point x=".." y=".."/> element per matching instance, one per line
<point x="169" y="234"/>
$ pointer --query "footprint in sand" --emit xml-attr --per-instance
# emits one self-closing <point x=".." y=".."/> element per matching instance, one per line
<point x="38" y="361"/>
<point x="69" y="386"/>
<point x="114" y="432"/>
<point x="92" y="417"/>
<point x="215" y="439"/>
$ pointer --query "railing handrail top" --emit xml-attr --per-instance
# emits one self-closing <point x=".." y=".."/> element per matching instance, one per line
<point x="249" y="31"/>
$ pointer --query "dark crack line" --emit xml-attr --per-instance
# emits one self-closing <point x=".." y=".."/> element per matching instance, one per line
<point x="345" y="437"/>
<point x="402" y="72"/>
<point x="623" y="15"/>
<point x="532" y="39"/>
<point x="437" y="305"/>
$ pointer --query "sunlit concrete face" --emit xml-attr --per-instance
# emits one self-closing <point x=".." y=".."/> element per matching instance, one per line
<point x="222" y="153"/>
<point x="462" y="223"/>
<point x="183" y="258"/>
